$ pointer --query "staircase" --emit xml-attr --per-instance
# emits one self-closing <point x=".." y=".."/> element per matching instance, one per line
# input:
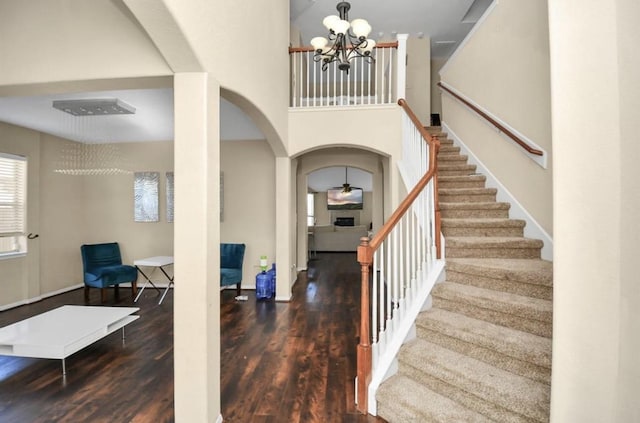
<point x="483" y="351"/>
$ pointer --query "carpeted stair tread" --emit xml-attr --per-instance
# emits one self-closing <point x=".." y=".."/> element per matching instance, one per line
<point x="483" y="223"/>
<point x="482" y="209"/>
<point x="466" y="191"/>
<point x="531" y="308"/>
<point x="528" y="277"/>
<point x="454" y="165"/>
<point x="463" y="181"/>
<point x="467" y="195"/>
<point x="503" y="342"/>
<point x="405" y="400"/>
<point x="493" y="247"/>
<point x="496" y="393"/>
<point x="473" y="227"/>
<point x="452" y="158"/>
<point x="488" y="205"/>
<point x="444" y="140"/>
<point x="493" y="242"/>
<point x="537" y="272"/>
<point x="528" y="314"/>
<point x="448" y="149"/>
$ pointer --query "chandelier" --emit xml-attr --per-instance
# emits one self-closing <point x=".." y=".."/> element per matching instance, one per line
<point x="349" y="40"/>
<point x="84" y="118"/>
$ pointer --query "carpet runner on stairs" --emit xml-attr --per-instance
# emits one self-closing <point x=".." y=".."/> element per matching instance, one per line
<point x="482" y="353"/>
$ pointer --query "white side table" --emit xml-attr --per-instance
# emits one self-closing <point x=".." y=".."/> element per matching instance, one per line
<point x="157" y="262"/>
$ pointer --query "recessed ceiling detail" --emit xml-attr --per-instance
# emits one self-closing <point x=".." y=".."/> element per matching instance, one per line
<point x="94" y="107"/>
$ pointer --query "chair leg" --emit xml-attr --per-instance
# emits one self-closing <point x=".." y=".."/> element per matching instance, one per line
<point x="134" y="289"/>
<point x="104" y="294"/>
<point x="86" y="294"/>
<point x="117" y="292"/>
<point x="237" y="289"/>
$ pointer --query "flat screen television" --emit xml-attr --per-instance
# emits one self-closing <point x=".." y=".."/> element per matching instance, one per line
<point x="338" y="200"/>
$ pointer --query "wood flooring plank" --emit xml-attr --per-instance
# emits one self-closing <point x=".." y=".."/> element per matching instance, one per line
<point x="280" y="362"/>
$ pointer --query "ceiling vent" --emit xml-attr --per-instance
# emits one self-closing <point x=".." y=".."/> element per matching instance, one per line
<point x="94" y="107"/>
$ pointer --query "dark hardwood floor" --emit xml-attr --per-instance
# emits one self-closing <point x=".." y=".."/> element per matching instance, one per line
<point x="280" y="362"/>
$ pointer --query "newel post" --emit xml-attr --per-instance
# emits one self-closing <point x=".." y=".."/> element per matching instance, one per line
<point x="365" y="258"/>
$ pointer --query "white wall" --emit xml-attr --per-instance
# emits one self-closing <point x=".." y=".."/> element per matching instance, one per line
<point x="20" y="276"/>
<point x="68" y="211"/>
<point x="243" y="23"/>
<point x="596" y="119"/>
<point x="249" y="202"/>
<point x="73" y="40"/>
<point x="418" y="89"/>
<point x="109" y="205"/>
<point x="504" y="68"/>
<point x="376" y="129"/>
<point x="436" y="99"/>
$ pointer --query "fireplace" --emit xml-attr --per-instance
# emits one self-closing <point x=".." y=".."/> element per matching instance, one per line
<point x="344" y="221"/>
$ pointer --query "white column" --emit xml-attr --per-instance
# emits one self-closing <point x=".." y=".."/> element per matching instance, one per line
<point x="301" y="229"/>
<point x="401" y="75"/>
<point x="596" y="119"/>
<point x="197" y="248"/>
<point x="285" y="224"/>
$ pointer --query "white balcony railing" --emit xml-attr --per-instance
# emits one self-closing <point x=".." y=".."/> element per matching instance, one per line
<point x="380" y="82"/>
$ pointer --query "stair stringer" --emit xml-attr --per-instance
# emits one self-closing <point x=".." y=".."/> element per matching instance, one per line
<point x="386" y="360"/>
<point x="532" y="229"/>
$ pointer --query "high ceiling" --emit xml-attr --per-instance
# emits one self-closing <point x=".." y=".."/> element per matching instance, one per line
<point x="445" y="22"/>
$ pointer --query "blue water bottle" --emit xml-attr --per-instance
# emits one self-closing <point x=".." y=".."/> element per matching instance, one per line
<point x="272" y="280"/>
<point x="262" y="286"/>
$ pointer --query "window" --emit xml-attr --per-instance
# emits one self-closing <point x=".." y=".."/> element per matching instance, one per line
<point x="311" y="219"/>
<point x="13" y="204"/>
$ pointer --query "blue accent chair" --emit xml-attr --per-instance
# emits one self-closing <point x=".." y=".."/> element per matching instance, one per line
<point x="231" y="258"/>
<point x="102" y="264"/>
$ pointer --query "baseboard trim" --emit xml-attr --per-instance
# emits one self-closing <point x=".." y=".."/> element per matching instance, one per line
<point x="532" y="229"/>
<point x="40" y="297"/>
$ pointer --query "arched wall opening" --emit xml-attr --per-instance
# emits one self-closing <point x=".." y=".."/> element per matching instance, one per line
<point x="373" y="163"/>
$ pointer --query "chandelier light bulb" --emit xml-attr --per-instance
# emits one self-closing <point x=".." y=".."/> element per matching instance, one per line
<point x="330" y="22"/>
<point x="319" y="43"/>
<point x="341" y="27"/>
<point x="361" y="28"/>
<point x="368" y="47"/>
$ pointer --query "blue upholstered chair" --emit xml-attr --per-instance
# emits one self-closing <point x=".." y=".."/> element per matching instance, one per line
<point x="231" y="258"/>
<point x="103" y="267"/>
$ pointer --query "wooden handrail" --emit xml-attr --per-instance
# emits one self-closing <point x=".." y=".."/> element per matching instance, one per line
<point x="393" y="44"/>
<point x="492" y="121"/>
<point x="434" y="146"/>
<point x="367" y="248"/>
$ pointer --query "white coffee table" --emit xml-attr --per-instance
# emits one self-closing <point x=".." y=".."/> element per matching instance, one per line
<point x="157" y="262"/>
<point x="63" y="331"/>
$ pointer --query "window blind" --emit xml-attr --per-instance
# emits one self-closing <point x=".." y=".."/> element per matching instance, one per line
<point x="13" y="194"/>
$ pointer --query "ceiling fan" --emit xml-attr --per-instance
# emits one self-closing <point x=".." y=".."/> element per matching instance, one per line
<point x="346" y="188"/>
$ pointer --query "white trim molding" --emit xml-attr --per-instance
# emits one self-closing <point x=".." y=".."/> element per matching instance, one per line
<point x="532" y="229"/>
<point x="40" y="297"/>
